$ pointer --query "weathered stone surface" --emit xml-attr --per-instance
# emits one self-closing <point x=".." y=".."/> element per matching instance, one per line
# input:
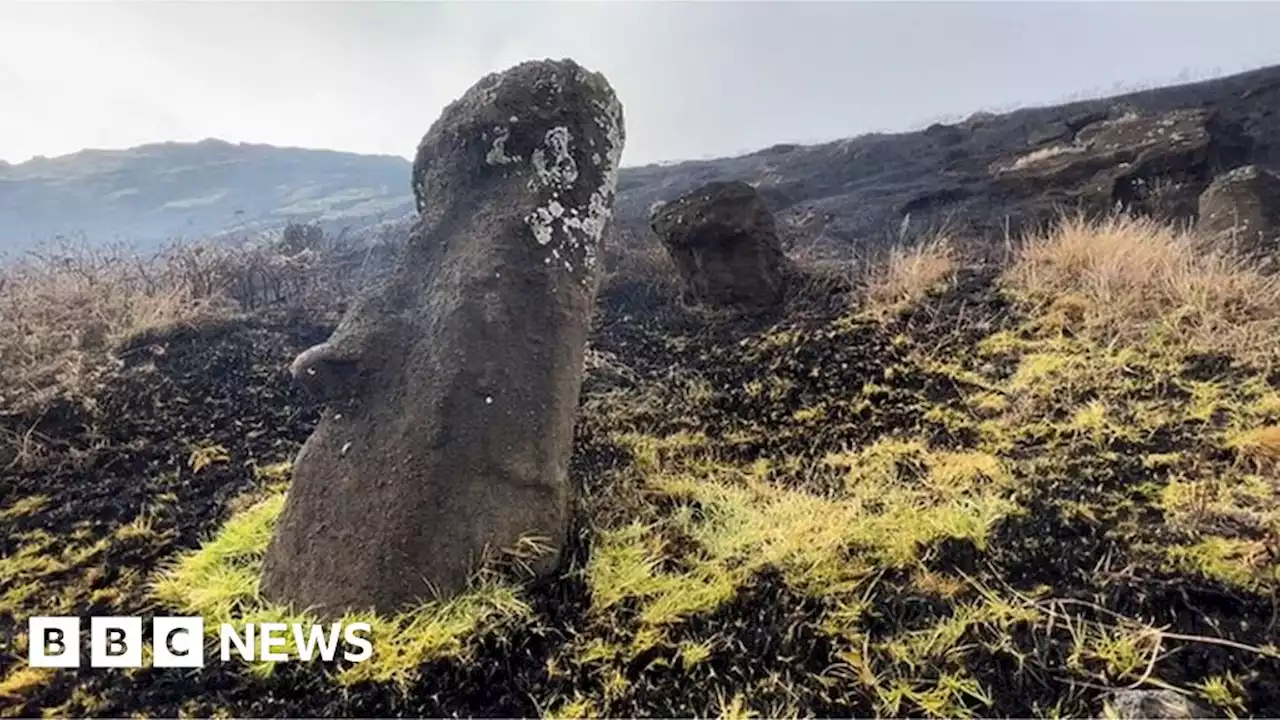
<point x="1243" y="205"/>
<point x="1050" y="133"/>
<point x="1064" y="129"/>
<point x="1155" y="165"/>
<point x="453" y="386"/>
<point x="1079" y="121"/>
<point x="1156" y="705"/>
<point x="724" y="244"/>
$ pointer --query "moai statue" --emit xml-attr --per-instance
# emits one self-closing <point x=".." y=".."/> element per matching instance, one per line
<point x="452" y="388"/>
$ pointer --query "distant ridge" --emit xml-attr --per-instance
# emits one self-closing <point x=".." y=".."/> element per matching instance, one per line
<point x="857" y="190"/>
<point x="159" y="191"/>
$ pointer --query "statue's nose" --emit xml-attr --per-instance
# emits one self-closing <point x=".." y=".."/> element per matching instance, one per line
<point x="325" y="374"/>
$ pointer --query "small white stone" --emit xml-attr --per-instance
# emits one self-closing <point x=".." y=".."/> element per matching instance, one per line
<point x="488" y="399"/>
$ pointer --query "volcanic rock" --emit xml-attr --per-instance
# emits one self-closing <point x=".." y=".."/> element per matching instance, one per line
<point x="1243" y="205"/>
<point x="724" y="243"/>
<point x="452" y="387"/>
<point x="1153" y="164"/>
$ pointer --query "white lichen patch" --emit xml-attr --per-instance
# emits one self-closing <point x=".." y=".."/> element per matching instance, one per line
<point x="554" y="166"/>
<point x="542" y="221"/>
<point x="591" y="225"/>
<point x="498" y="153"/>
<point x="542" y="231"/>
<point x="555" y="170"/>
<point x="610" y="120"/>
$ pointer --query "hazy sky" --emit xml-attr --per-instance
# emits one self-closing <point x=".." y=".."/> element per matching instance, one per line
<point x="696" y="79"/>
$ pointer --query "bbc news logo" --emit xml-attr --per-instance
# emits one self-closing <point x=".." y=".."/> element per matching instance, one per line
<point x="117" y="642"/>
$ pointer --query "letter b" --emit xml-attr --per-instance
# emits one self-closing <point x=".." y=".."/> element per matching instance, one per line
<point x="53" y="642"/>
<point x="115" y="642"/>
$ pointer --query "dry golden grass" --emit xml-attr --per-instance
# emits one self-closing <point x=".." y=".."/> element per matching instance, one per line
<point x="909" y="274"/>
<point x="63" y="312"/>
<point x="1127" y="279"/>
<point x="1036" y="156"/>
<point x="1260" y="446"/>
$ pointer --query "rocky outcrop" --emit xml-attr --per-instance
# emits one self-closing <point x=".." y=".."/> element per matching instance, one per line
<point x="1243" y="206"/>
<point x="1064" y="130"/>
<point x="452" y="388"/>
<point x="724" y="244"/>
<point x="1155" y="164"/>
<point x="942" y="176"/>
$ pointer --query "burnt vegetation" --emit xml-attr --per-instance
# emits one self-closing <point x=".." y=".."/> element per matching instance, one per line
<point x="931" y="486"/>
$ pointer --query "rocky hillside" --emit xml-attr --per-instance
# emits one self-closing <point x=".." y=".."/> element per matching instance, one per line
<point x="977" y="176"/>
<point x="991" y="169"/>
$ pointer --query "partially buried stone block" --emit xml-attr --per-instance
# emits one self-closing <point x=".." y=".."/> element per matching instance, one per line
<point x="1243" y="205"/>
<point x="724" y="243"/>
<point x="452" y="388"/>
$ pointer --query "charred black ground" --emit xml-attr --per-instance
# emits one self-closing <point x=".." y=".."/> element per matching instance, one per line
<point x="1038" y="615"/>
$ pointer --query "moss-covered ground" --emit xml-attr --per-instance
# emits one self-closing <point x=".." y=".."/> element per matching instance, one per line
<point x="989" y="500"/>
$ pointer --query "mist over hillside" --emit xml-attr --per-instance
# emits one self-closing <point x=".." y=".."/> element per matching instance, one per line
<point x="153" y="193"/>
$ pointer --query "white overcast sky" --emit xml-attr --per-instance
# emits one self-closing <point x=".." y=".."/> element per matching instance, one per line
<point x="696" y="79"/>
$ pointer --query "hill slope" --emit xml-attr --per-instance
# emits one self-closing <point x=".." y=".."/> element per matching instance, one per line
<point x="860" y="189"/>
<point x="152" y="193"/>
<point x="856" y="190"/>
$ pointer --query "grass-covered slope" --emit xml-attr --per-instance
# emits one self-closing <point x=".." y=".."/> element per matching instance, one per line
<point x="974" y="491"/>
